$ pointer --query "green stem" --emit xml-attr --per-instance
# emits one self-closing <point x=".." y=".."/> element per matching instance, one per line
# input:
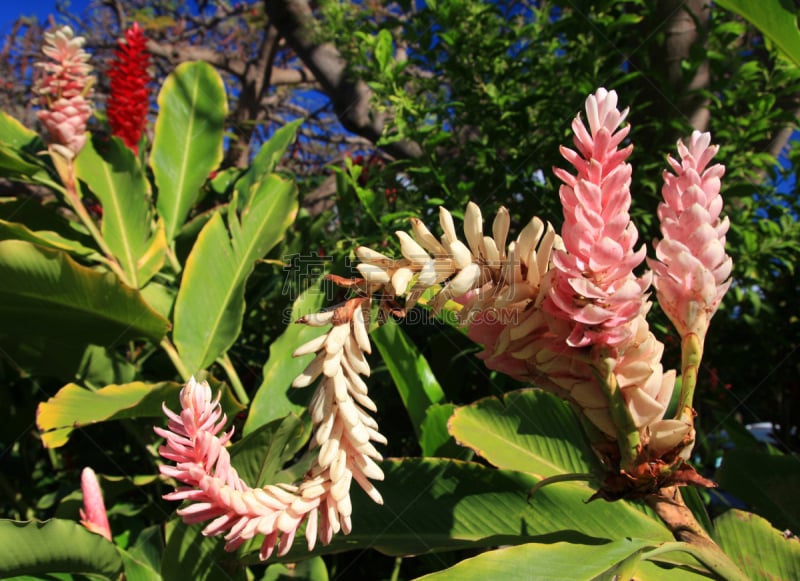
<point x="691" y="354"/>
<point x="396" y="570"/>
<point x="173" y="259"/>
<point x="74" y="200"/>
<point x="571" y="477"/>
<point x="225" y="361"/>
<point x="628" y="438"/>
<point x="172" y="353"/>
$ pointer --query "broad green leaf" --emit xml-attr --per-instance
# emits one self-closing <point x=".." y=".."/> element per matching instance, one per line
<point x="187" y="145"/>
<point x="760" y="550"/>
<point x="415" y="382"/>
<point x="115" y="177"/>
<point x="15" y="134"/>
<point x="55" y="546"/>
<point x="440" y="504"/>
<point x="266" y="160"/>
<point x="276" y="397"/>
<point x="434" y="438"/>
<point x="529" y="430"/>
<point x="544" y="562"/>
<point x="210" y="303"/>
<point x="259" y="456"/>
<point x="775" y="18"/>
<point x="16" y="231"/>
<point x="190" y="555"/>
<point x="767" y="483"/>
<point x="46" y="293"/>
<point x="74" y="407"/>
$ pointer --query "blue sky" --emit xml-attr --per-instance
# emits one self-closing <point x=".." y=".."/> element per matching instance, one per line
<point x="10" y="10"/>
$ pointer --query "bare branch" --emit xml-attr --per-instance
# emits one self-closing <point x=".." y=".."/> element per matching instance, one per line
<point x="351" y="98"/>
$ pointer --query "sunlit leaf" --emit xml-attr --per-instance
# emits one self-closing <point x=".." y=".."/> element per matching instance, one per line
<point x="74" y="406"/>
<point x="775" y="19"/>
<point x="762" y="552"/>
<point x="413" y="377"/>
<point x="210" y="303"/>
<point x="114" y="176"/>
<point x="527" y="430"/>
<point x="187" y="145"/>
<point x="275" y="397"/>
<point x="46" y="293"/>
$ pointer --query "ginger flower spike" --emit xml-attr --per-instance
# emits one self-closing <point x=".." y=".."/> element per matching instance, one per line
<point x="65" y="90"/>
<point x="129" y="100"/>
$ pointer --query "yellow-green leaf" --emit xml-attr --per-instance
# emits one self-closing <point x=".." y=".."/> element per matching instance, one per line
<point x="187" y="145"/>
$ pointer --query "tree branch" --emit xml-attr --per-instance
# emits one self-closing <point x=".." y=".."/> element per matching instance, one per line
<point x="351" y="98"/>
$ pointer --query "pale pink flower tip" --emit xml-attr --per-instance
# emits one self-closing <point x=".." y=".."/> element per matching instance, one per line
<point x="65" y="89"/>
<point x="93" y="513"/>
<point x="594" y="289"/>
<point x="692" y="269"/>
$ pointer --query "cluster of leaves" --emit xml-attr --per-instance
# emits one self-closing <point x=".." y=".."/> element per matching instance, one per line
<point x="94" y="336"/>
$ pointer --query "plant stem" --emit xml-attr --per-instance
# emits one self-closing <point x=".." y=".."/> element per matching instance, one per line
<point x="691" y="354"/>
<point x="170" y="350"/>
<point x="66" y="170"/>
<point x="671" y="508"/>
<point x="236" y="383"/>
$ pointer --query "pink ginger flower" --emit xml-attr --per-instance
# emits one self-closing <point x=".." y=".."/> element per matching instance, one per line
<point x="93" y="513"/>
<point x="343" y="432"/>
<point x="129" y="101"/>
<point x="594" y="293"/>
<point x="692" y="269"/>
<point x="65" y="89"/>
<point x="213" y="486"/>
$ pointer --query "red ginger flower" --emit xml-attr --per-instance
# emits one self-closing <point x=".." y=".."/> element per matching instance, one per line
<point x="65" y="90"/>
<point x="93" y="513"/>
<point x="692" y="270"/>
<point x="594" y="292"/>
<point x="129" y="103"/>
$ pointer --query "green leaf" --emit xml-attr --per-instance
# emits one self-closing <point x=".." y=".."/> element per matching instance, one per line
<point x="528" y="430"/>
<point x="767" y="483"/>
<point x="383" y="50"/>
<point x="210" y="303"/>
<point x="15" y="231"/>
<point x="187" y="145"/>
<point x="266" y="160"/>
<point x="190" y="555"/>
<point x="775" y="19"/>
<point x="276" y="397"/>
<point x="761" y="551"/>
<point x="114" y="175"/>
<point x="55" y="546"/>
<point x="434" y="438"/>
<point x="259" y="456"/>
<point x="15" y="134"/>
<point x="46" y="293"/>
<point x="415" y="382"/>
<point x="142" y="561"/>
<point x="542" y="562"/>
<point x="440" y="504"/>
<point x="73" y="406"/>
